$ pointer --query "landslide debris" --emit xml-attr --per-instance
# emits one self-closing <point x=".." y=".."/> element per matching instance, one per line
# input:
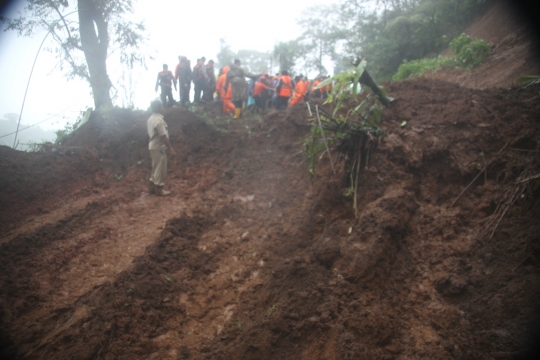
<point x="253" y="260"/>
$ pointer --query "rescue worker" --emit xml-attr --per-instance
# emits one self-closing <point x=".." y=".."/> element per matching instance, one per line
<point x="158" y="144"/>
<point x="208" y="94"/>
<point x="299" y="91"/>
<point x="182" y="74"/>
<point x="236" y="78"/>
<point x="165" y="79"/>
<point x="226" y="96"/>
<point x="261" y="93"/>
<point x="283" y="90"/>
<point x="316" y="93"/>
<point x="200" y="79"/>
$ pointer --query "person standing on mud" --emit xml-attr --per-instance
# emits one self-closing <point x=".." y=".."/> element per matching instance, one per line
<point x="200" y="79"/>
<point x="261" y="93"/>
<point x="208" y="91"/>
<point x="159" y="143"/>
<point x="165" y="79"/>
<point x="236" y="77"/>
<point x="299" y="91"/>
<point x="284" y="90"/>
<point x="182" y="74"/>
<point x="226" y="96"/>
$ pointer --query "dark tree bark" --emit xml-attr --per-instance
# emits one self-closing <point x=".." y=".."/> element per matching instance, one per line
<point x="94" y="45"/>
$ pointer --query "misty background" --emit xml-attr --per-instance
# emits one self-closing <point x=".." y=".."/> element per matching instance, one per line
<point x="173" y="28"/>
<point x="307" y="37"/>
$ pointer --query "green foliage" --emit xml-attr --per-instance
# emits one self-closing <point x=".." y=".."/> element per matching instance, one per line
<point x="468" y="53"/>
<point x="314" y="147"/>
<point x="62" y="135"/>
<point x="168" y="277"/>
<point x="387" y="31"/>
<point x="351" y="129"/>
<point x="271" y="310"/>
<point x="418" y="67"/>
<point x="347" y="87"/>
<point x="349" y="192"/>
<point x="69" y="128"/>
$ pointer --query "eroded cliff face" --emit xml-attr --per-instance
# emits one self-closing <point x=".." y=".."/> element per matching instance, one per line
<point x="515" y="50"/>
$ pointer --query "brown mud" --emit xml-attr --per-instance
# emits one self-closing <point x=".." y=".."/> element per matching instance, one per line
<point x="250" y="258"/>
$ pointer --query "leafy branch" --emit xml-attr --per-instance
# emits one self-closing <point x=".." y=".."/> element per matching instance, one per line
<point x="352" y="128"/>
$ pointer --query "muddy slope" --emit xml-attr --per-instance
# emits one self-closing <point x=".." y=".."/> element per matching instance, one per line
<point x="250" y="259"/>
<point x="515" y="49"/>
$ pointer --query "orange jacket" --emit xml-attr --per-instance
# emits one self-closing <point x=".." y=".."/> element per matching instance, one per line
<point x="259" y="88"/>
<point x="315" y="83"/>
<point x="301" y="88"/>
<point x="220" y="85"/>
<point x="285" y="86"/>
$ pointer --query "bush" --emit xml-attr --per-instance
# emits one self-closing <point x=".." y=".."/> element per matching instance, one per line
<point x="468" y="53"/>
<point x="418" y="67"/>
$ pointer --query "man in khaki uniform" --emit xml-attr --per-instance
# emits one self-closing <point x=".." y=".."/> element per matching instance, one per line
<point x="159" y="142"/>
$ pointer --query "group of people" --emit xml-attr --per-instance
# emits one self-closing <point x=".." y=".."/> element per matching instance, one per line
<point x="280" y="91"/>
<point x="231" y="86"/>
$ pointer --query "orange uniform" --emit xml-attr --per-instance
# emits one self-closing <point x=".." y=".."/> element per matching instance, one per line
<point x="226" y="95"/>
<point x="259" y="88"/>
<point x="299" y="92"/>
<point x="285" y="86"/>
<point x="221" y="81"/>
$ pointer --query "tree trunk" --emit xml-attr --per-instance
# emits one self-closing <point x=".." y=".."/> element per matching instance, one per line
<point x="94" y="45"/>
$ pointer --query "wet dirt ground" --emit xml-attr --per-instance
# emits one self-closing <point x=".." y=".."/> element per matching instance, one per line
<point x="251" y="259"/>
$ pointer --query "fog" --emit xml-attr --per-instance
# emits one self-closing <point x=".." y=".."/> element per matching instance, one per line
<point x="173" y="28"/>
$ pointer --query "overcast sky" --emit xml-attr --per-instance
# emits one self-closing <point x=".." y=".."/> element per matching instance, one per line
<point x="191" y="28"/>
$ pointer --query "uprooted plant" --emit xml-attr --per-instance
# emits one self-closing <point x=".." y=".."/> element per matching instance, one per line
<point x="352" y="127"/>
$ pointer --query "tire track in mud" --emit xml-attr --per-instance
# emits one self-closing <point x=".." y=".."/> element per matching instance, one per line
<point x="45" y="271"/>
<point x="22" y="259"/>
<point x="200" y="309"/>
<point x="183" y="290"/>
